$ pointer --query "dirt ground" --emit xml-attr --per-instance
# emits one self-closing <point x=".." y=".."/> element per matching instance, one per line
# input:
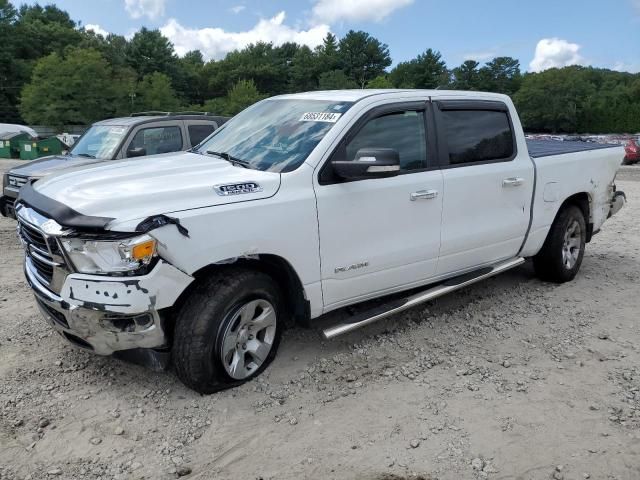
<point x="509" y="379"/>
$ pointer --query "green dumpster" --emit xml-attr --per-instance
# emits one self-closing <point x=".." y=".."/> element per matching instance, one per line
<point x="50" y="146"/>
<point x="28" y="149"/>
<point x="10" y="143"/>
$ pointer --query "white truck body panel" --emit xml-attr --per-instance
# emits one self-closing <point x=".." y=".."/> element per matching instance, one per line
<point x="350" y="241"/>
<point x="559" y="177"/>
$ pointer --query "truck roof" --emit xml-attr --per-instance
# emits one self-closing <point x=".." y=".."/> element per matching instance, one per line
<point x="137" y="120"/>
<point x="358" y="94"/>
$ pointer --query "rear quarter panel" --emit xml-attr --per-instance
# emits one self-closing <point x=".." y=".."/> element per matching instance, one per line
<point x="558" y="177"/>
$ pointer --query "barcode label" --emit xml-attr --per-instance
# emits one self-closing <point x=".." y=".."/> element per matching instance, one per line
<point x="320" y="117"/>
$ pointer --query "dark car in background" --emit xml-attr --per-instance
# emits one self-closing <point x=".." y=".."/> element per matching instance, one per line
<point x="141" y="134"/>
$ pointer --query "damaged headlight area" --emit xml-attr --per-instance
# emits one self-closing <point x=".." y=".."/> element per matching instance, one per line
<point x="103" y="257"/>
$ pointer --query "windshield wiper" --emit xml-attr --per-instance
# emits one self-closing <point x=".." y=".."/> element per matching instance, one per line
<point x="86" y="155"/>
<point x="231" y="159"/>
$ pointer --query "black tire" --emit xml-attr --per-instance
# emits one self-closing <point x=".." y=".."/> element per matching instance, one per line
<point x="549" y="263"/>
<point x="205" y="318"/>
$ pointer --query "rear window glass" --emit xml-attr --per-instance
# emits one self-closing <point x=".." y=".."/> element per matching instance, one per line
<point x="477" y="135"/>
<point x="197" y="133"/>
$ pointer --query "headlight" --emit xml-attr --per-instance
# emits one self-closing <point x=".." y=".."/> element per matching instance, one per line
<point x="110" y="256"/>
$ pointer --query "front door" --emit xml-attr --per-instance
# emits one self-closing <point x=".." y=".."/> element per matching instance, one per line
<point x="381" y="235"/>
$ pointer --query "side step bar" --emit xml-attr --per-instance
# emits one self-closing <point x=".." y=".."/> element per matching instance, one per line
<point x="439" y="290"/>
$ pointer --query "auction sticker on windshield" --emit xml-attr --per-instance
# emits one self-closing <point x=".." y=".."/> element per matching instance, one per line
<point x="320" y="117"/>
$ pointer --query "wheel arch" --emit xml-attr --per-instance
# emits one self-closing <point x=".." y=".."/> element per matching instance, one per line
<point x="583" y="201"/>
<point x="275" y="266"/>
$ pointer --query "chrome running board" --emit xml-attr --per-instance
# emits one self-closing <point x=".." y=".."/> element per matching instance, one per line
<point x="448" y="286"/>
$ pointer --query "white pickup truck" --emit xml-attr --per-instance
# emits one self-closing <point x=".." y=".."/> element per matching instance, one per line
<point x="299" y="206"/>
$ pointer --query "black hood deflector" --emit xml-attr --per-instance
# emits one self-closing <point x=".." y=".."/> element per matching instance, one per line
<point x="65" y="216"/>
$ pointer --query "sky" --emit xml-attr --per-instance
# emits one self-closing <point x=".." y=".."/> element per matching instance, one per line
<point x="540" y="33"/>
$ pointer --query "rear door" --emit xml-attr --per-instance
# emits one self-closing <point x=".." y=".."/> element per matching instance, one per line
<point x="488" y="184"/>
<point x="381" y="235"/>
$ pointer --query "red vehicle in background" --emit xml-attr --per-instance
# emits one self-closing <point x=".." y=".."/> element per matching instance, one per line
<point x="632" y="150"/>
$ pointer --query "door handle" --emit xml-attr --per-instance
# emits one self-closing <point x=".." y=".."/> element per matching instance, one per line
<point x="423" y="195"/>
<point x="512" y="182"/>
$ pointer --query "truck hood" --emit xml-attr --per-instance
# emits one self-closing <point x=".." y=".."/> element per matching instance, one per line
<point x="136" y="189"/>
<point x="47" y="165"/>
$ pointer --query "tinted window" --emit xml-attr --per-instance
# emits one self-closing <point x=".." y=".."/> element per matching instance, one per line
<point x="158" y="140"/>
<point x="477" y="135"/>
<point x="403" y="131"/>
<point x="198" y="133"/>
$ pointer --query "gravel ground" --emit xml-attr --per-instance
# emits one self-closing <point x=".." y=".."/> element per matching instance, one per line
<point x="511" y="378"/>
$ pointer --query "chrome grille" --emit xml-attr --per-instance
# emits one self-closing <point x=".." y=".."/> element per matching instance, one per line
<point x="43" y="254"/>
<point x="17" y="182"/>
<point x="32" y="236"/>
<point x="45" y="271"/>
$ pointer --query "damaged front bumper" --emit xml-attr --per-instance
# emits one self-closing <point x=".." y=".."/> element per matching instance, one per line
<point x="107" y="314"/>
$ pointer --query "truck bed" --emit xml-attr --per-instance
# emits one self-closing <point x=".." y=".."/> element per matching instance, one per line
<point x="546" y="148"/>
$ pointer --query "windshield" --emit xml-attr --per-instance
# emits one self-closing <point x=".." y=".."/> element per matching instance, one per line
<point x="275" y="135"/>
<point x="100" y="141"/>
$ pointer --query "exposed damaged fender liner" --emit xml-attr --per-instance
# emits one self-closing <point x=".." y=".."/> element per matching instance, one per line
<point x="618" y="201"/>
<point x="64" y="215"/>
<point x="157" y="221"/>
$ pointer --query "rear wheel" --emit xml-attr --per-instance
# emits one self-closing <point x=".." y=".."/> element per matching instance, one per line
<point x="561" y="255"/>
<point x="228" y="330"/>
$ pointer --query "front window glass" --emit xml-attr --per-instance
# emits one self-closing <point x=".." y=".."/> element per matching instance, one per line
<point x="100" y="141"/>
<point x="402" y="131"/>
<point x="157" y="140"/>
<point x="275" y="135"/>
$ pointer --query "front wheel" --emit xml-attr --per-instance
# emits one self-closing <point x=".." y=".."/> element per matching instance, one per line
<point x="561" y="255"/>
<point x="228" y="330"/>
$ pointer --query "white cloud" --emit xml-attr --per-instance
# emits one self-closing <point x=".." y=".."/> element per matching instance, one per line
<point x="626" y="67"/>
<point x="555" y="53"/>
<point x="636" y="5"/>
<point x="216" y="43"/>
<point x="151" y="9"/>
<point x="97" y="29"/>
<point x="237" y="9"/>
<point x="480" y="56"/>
<point x="329" y="11"/>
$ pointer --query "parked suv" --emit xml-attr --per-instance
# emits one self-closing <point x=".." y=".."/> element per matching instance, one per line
<point x="147" y="133"/>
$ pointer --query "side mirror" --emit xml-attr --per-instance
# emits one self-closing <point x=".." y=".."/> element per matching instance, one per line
<point x="136" y="152"/>
<point x="369" y="163"/>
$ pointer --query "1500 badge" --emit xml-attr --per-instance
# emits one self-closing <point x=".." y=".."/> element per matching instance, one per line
<point x="237" y="188"/>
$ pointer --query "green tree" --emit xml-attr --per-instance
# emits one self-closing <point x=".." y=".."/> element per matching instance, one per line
<point x="427" y="70"/>
<point x="501" y="75"/>
<point x="553" y="100"/>
<point x="156" y="93"/>
<point x="336" y="80"/>
<point x="76" y="89"/>
<point x="381" y="81"/>
<point x="304" y="70"/>
<point x="10" y="75"/>
<point x="327" y="54"/>
<point x="362" y="57"/>
<point x="467" y="76"/>
<point x="27" y="35"/>
<point x="194" y="85"/>
<point x="242" y="95"/>
<point x="149" y="51"/>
